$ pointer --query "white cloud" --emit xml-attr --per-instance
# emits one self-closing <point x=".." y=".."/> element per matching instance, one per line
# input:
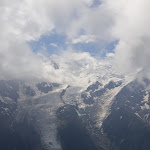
<point x="79" y="68"/>
<point x="110" y="55"/>
<point x="22" y="21"/>
<point x="84" y="39"/>
<point x="132" y="29"/>
<point x="127" y="21"/>
<point x="53" y="44"/>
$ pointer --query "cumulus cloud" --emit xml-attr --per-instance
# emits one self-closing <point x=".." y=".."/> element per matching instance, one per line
<point x="22" y="21"/>
<point x="84" y="39"/>
<point x="75" y="68"/>
<point x="131" y="28"/>
<point x="80" y="68"/>
<point x="127" y="21"/>
<point x="53" y="44"/>
<point x="110" y="55"/>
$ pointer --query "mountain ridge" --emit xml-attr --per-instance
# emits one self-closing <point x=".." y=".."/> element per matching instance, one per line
<point x="36" y="105"/>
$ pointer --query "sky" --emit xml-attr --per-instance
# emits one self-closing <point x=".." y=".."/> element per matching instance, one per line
<point x="83" y="34"/>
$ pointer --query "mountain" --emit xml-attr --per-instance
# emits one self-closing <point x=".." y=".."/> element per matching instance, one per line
<point x="128" y="126"/>
<point x="37" y="115"/>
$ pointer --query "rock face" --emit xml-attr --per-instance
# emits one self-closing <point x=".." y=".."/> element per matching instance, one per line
<point x="44" y="87"/>
<point x="15" y="134"/>
<point x="51" y="116"/>
<point x="71" y="131"/>
<point x="128" y="126"/>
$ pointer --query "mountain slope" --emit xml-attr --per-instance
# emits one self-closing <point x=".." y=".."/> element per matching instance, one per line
<point x="107" y="116"/>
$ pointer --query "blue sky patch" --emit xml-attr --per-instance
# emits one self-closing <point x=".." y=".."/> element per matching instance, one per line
<point x="52" y="43"/>
<point x="55" y="42"/>
<point x="96" y="3"/>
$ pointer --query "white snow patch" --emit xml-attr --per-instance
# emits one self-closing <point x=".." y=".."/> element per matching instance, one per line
<point x="146" y="96"/>
<point x="104" y="104"/>
<point x="138" y="115"/>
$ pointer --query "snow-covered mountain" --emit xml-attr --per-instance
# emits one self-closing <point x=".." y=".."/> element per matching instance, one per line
<point x="108" y="115"/>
